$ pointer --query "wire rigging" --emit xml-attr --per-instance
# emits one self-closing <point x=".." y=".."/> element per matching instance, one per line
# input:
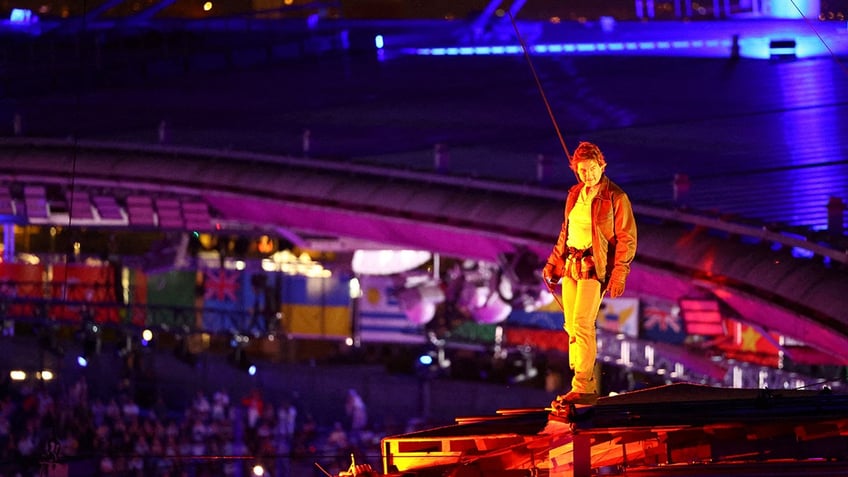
<point x="821" y="39"/>
<point x="539" y="86"/>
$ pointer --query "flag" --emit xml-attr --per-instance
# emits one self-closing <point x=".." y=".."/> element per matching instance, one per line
<point x="317" y="307"/>
<point x="747" y="343"/>
<point x="86" y="292"/>
<point x="472" y="332"/>
<point x="222" y="305"/>
<point x="380" y="316"/>
<point x="21" y="286"/>
<point x="661" y="321"/>
<point x="546" y="319"/>
<point x="620" y="315"/>
<point x="170" y="298"/>
<point x="542" y="340"/>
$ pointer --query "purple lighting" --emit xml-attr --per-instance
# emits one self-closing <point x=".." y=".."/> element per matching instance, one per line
<point x="750" y="38"/>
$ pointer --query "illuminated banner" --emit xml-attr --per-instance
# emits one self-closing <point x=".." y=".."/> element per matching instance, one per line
<point x="381" y="318"/>
<point x="702" y="316"/>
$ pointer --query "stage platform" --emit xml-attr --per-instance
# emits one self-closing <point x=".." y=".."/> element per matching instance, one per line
<point x="675" y="430"/>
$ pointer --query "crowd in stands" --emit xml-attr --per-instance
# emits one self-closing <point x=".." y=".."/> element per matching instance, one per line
<point x="218" y="434"/>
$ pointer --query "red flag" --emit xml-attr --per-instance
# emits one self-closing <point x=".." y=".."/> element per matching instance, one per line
<point x="87" y="289"/>
<point x="20" y="282"/>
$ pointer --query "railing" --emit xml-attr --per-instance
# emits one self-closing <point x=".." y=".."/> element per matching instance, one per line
<point x="47" y="315"/>
<point x="833" y="248"/>
<point x="128" y="317"/>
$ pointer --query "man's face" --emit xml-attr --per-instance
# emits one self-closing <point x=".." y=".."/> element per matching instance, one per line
<point x="589" y="172"/>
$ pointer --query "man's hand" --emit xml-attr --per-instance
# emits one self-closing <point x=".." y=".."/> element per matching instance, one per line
<point x="616" y="288"/>
<point x="549" y="274"/>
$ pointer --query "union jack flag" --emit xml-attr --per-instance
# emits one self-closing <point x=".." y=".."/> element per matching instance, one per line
<point x="221" y="285"/>
<point x="663" y="320"/>
<point x="662" y="323"/>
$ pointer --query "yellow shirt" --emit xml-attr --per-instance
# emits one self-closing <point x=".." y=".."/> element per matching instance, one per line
<point x="580" y="220"/>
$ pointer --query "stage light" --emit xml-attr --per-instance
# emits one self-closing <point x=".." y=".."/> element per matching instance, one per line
<point x="258" y="470"/>
<point x="251" y="370"/>
<point x="46" y="375"/>
<point x="520" y="283"/>
<point x="17" y="375"/>
<point x="488" y="308"/>
<point x="147" y="335"/>
<point x="419" y="301"/>
<point x="239" y="340"/>
<point x="388" y="262"/>
<point x="90" y="336"/>
<point x="782" y="48"/>
<point x="354" y="288"/>
<point x="82" y="361"/>
<point x="474" y="286"/>
<point x="22" y="15"/>
<point x="426" y="366"/>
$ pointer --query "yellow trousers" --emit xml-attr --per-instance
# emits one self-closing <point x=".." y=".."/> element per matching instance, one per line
<point x="581" y="300"/>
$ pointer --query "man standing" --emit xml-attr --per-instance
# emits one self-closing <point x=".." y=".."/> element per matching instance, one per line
<point x="592" y="255"/>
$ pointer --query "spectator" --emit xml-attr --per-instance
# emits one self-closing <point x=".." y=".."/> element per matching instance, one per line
<point x="220" y="404"/>
<point x="200" y="404"/>
<point x="357" y="415"/>
<point x="337" y="441"/>
<point x="129" y="408"/>
<point x="253" y="404"/>
<point x="286" y="419"/>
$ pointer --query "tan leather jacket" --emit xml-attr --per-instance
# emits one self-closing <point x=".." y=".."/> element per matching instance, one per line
<point x="613" y="233"/>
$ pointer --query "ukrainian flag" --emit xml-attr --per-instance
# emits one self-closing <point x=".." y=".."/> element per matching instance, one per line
<point x="316" y="307"/>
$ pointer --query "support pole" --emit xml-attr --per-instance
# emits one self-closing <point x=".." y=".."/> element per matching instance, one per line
<point x="582" y="455"/>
